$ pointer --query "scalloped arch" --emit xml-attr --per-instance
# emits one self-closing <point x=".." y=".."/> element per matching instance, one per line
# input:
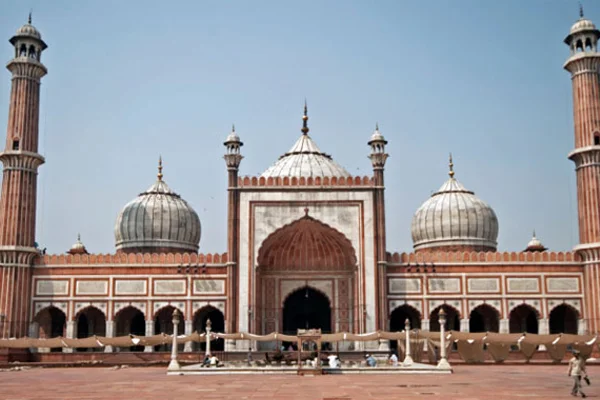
<point x="307" y="244"/>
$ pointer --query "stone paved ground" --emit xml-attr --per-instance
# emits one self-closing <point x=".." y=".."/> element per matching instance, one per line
<point x="467" y="383"/>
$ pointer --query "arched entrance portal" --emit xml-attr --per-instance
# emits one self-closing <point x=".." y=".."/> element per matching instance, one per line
<point x="51" y="323"/>
<point x="217" y="320"/>
<point x="523" y="319"/>
<point x="398" y="319"/>
<point x="306" y="276"/>
<point x="563" y="319"/>
<point x="484" y="318"/>
<point x="90" y="322"/>
<point x="130" y="321"/>
<point x="452" y="319"/>
<point x="306" y="308"/>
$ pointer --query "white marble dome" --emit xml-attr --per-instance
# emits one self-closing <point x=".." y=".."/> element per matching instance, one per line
<point x="582" y="24"/>
<point x="454" y="218"/>
<point x="158" y="220"/>
<point x="29" y="30"/>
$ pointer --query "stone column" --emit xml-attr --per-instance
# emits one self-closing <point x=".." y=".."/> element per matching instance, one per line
<point x="110" y="332"/>
<point x="174" y="364"/>
<point x="543" y="326"/>
<point x="443" y="364"/>
<point x="504" y="326"/>
<point x="208" y="327"/>
<point x="189" y="326"/>
<point x="464" y="325"/>
<point x="408" y="361"/>
<point x="70" y="335"/>
<point x="149" y="332"/>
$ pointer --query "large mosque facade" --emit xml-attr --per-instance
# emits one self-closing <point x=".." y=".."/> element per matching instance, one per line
<point x="306" y="244"/>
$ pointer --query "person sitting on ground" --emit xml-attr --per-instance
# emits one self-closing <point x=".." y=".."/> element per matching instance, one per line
<point x="577" y="371"/>
<point x="214" y="362"/>
<point x="371" y="362"/>
<point x="394" y="359"/>
<point x="267" y="358"/>
<point x="206" y="361"/>
<point x="333" y="361"/>
<point x="278" y="356"/>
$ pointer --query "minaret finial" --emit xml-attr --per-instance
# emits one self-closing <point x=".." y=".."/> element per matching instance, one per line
<point x="377" y="126"/>
<point x="534" y="233"/>
<point x="79" y="237"/>
<point x="160" y="175"/>
<point x="29" y="19"/>
<point x="233" y="128"/>
<point x="451" y="166"/>
<point x="580" y="10"/>
<point x="305" y="119"/>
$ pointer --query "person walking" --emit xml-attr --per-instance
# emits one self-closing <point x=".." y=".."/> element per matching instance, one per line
<point x="577" y="371"/>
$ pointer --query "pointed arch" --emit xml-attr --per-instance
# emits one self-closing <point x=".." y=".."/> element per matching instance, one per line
<point x="523" y="319"/>
<point x="130" y="321"/>
<point x="484" y="318"/>
<point x="564" y="318"/>
<point x="452" y="318"/>
<point x="307" y="244"/>
<point x="400" y="314"/>
<point x="217" y="319"/>
<point x="51" y="321"/>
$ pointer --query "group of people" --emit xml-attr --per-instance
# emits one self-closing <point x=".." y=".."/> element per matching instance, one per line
<point x="210" y="361"/>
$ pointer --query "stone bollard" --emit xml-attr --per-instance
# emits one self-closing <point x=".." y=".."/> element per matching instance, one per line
<point x="443" y="364"/>
<point x="174" y="364"/>
<point x="208" y="329"/>
<point x="408" y="361"/>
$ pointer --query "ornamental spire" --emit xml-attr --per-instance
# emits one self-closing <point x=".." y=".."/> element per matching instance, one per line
<point x="580" y="10"/>
<point x="160" y="167"/>
<point x="451" y="167"/>
<point x="305" y="120"/>
<point x="29" y="19"/>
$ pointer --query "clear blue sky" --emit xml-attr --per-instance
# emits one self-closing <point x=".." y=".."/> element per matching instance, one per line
<point x="129" y="80"/>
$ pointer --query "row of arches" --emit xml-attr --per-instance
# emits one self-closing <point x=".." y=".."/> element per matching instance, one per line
<point x="130" y="320"/>
<point x="485" y="318"/>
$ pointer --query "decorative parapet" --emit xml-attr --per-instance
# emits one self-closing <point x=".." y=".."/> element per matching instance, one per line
<point x="474" y="257"/>
<point x="129" y="259"/>
<point x="356" y="181"/>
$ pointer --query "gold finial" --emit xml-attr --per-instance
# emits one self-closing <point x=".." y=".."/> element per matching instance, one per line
<point x="305" y="119"/>
<point x="451" y="166"/>
<point x="29" y="19"/>
<point x="160" y="175"/>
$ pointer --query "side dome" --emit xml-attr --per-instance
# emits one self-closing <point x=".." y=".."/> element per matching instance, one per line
<point x="157" y="221"/>
<point x="305" y="160"/>
<point x="454" y="219"/>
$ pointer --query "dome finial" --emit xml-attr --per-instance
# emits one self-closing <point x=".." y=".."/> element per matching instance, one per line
<point x="377" y="126"/>
<point x="160" y="175"/>
<point x="29" y="19"/>
<point x="79" y="237"/>
<point x="451" y="166"/>
<point x="305" y="119"/>
<point x="580" y="10"/>
<point x="534" y="233"/>
<point x="232" y="128"/>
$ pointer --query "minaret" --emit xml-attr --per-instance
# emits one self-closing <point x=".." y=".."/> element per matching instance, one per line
<point x="21" y="160"/>
<point x="378" y="158"/>
<point x="233" y="158"/>
<point x="584" y="64"/>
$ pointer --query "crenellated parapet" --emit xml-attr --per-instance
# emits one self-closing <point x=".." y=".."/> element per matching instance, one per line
<point x="479" y="257"/>
<point x="129" y="259"/>
<point x="320" y="182"/>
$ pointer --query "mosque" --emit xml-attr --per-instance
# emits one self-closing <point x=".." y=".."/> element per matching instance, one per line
<point x="306" y="243"/>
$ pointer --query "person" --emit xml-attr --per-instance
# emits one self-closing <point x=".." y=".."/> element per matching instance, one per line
<point x="577" y="371"/>
<point x="394" y="359"/>
<point x="333" y="361"/>
<point x="214" y="362"/>
<point x="206" y="361"/>
<point x="250" y="357"/>
<point x="371" y="362"/>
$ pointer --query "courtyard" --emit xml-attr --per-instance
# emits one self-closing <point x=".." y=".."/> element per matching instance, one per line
<point x="151" y="383"/>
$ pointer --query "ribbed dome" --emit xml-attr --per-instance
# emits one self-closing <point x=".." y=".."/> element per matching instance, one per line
<point x="78" y="247"/>
<point x="158" y="220"/>
<point x="305" y="159"/>
<point x="456" y="219"/>
<point x="535" y="244"/>
<point x="29" y="30"/>
<point x="582" y="24"/>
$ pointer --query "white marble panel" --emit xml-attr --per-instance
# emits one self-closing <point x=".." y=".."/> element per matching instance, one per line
<point x="404" y="285"/>
<point x="52" y="288"/>
<point x="531" y="285"/>
<point x="209" y="286"/>
<point x="129" y="286"/>
<point x="91" y="287"/>
<point x="483" y="285"/>
<point x="562" y="285"/>
<point x="444" y="285"/>
<point x="170" y="286"/>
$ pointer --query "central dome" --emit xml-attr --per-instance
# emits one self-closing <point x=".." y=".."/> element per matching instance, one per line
<point x="305" y="159"/>
<point x="454" y="219"/>
<point x="157" y="221"/>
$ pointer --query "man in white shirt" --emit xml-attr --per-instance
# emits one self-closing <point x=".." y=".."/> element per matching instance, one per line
<point x="577" y="371"/>
<point x="333" y="361"/>
<point x="394" y="359"/>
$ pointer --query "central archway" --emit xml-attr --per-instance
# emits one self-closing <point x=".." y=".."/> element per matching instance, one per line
<point x="306" y="308"/>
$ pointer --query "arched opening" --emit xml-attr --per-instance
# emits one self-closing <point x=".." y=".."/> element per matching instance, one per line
<point x="484" y="318"/>
<point x="596" y="138"/>
<point x="32" y="52"/>
<point x="523" y="319"/>
<point x="51" y="322"/>
<point x="452" y="319"/>
<point x="579" y="46"/>
<point x="23" y="51"/>
<point x="163" y="323"/>
<point x="217" y="320"/>
<point x="306" y="308"/>
<point x="563" y="319"/>
<point x="398" y="318"/>
<point x="90" y="322"/>
<point x="588" y="44"/>
<point x="131" y="321"/>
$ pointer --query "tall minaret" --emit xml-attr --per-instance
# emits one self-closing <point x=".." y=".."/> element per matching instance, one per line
<point x="584" y="66"/>
<point x="233" y="158"/>
<point x="21" y="160"/>
<point x="378" y="158"/>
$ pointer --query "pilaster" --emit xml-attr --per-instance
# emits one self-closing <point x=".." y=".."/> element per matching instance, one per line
<point x="149" y="332"/>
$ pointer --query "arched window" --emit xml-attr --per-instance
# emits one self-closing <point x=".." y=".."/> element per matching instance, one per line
<point x="596" y="138"/>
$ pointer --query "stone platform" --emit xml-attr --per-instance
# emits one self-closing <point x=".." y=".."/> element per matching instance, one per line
<point x="416" y="368"/>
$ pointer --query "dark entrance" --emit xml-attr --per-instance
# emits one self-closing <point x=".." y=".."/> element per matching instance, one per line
<point x="563" y="319"/>
<point x="306" y="308"/>
<point x="523" y="319"/>
<point x="217" y="320"/>
<point x="398" y="319"/>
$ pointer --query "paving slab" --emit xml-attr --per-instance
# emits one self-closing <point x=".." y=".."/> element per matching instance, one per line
<point x="469" y="382"/>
